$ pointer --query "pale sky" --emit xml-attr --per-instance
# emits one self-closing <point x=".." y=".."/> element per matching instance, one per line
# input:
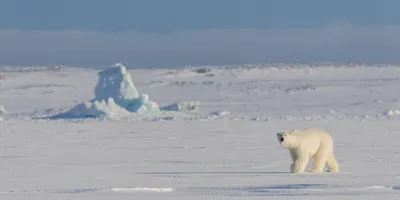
<point x="167" y="33"/>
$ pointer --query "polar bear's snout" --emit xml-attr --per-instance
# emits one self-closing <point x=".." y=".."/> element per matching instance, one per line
<point x="280" y="137"/>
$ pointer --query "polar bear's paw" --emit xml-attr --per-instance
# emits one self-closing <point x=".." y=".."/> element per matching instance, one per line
<point x="332" y="170"/>
<point x="315" y="171"/>
<point x="297" y="167"/>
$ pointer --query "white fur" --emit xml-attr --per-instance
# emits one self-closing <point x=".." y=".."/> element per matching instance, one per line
<point x="309" y="143"/>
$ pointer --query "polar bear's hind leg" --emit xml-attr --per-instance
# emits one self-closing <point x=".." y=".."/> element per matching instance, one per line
<point x="319" y="160"/>
<point x="332" y="163"/>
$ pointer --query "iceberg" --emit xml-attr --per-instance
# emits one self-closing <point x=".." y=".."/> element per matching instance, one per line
<point x="115" y="95"/>
<point x="96" y="108"/>
<point x="146" y="106"/>
<point x="115" y="82"/>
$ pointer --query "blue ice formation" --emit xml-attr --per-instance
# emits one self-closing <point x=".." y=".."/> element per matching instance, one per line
<point x="115" y="95"/>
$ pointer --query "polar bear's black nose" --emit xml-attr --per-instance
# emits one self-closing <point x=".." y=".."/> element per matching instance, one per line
<point x="281" y="139"/>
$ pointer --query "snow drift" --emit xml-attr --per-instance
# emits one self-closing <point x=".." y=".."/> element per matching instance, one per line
<point x="2" y="110"/>
<point x="115" y="95"/>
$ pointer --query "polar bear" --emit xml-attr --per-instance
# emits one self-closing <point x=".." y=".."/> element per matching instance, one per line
<point x="309" y="143"/>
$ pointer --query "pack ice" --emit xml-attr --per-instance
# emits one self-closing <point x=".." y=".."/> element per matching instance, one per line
<point x="115" y="95"/>
<point x="2" y="112"/>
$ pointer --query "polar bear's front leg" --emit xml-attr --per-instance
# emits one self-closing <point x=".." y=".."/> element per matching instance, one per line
<point x="300" y="164"/>
<point x="293" y="154"/>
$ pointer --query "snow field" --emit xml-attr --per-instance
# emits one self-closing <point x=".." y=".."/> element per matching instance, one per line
<point x="226" y="149"/>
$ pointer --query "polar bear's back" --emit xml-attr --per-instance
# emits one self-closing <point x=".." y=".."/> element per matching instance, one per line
<point x="314" y="138"/>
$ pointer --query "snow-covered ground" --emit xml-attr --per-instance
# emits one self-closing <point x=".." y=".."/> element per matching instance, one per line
<point x="225" y="150"/>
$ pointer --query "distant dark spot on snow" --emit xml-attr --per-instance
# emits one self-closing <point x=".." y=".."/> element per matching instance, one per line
<point x="43" y="86"/>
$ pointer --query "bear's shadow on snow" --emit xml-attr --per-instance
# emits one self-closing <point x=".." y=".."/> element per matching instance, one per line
<point x="268" y="187"/>
<point x="188" y="173"/>
<point x="261" y="172"/>
<point x="263" y="190"/>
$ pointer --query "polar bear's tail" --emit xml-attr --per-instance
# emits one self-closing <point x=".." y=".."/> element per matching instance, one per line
<point x="332" y="163"/>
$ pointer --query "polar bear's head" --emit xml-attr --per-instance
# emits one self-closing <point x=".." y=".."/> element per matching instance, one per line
<point x="286" y="139"/>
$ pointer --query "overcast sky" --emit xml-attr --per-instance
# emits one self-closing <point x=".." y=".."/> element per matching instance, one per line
<point x="167" y="33"/>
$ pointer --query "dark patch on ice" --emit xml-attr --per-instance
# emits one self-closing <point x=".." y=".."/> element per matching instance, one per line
<point x="276" y="190"/>
<point x="37" y="86"/>
<point x="44" y="86"/>
<point x="176" y="161"/>
<point x="80" y="190"/>
<point x="298" y="88"/>
<point x="396" y="187"/>
<point x="14" y="157"/>
<point x="288" y="190"/>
